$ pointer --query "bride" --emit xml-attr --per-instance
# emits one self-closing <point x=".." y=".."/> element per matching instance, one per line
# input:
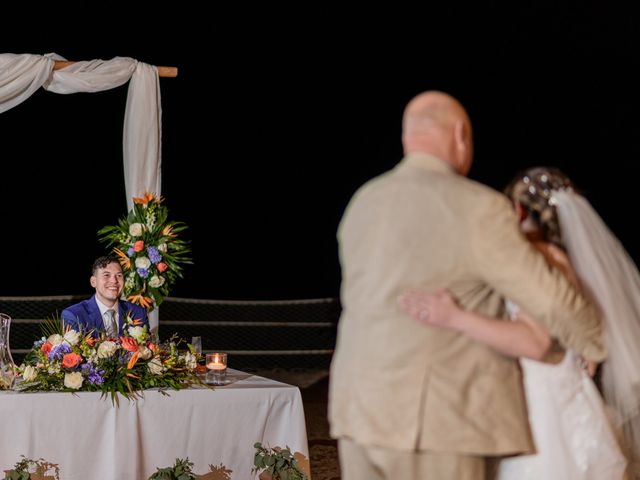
<point x="571" y="425"/>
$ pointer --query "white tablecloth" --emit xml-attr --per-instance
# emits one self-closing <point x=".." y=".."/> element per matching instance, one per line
<point x="89" y="438"/>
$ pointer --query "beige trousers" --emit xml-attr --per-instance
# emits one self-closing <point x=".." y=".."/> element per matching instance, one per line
<point x="359" y="462"/>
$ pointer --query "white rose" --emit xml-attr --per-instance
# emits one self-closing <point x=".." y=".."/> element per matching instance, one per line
<point x="55" y="339"/>
<point x="144" y="353"/>
<point x="155" y="366"/>
<point x="139" y="333"/>
<point x="156" y="281"/>
<point x="72" y="337"/>
<point x="143" y="262"/>
<point x="107" y="349"/>
<point x="135" y="229"/>
<point x="190" y="360"/>
<point x="73" y="380"/>
<point x="29" y="374"/>
<point x="162" y="247"/>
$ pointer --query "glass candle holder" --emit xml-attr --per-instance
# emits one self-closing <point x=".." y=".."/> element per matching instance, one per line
<point x="216" y="364"/>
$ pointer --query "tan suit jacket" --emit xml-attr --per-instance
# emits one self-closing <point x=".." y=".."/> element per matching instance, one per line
<point x="399" y="384"/>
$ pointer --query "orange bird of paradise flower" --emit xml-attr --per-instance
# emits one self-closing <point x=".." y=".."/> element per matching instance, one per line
<point x="124" y="260"/>
<point x="168" y="231"/>
<point x="145" y="199"/>
<point x="141" y="300"/>
<point x="132" y="360"/>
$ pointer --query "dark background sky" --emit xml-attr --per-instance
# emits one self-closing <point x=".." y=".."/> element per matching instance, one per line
<point x="271" y="126"/>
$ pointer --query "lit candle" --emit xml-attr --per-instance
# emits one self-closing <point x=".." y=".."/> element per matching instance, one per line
<point x="216" y="366"/>
<point x="216" y="362"/>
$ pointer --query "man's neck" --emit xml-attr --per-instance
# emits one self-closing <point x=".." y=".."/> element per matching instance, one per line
<point x="106" y="303"/>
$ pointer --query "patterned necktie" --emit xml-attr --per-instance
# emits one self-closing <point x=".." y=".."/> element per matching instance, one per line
<point x="112" y="328"/>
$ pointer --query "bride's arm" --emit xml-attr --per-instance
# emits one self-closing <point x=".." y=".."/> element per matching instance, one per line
<point x="521" y="338"/>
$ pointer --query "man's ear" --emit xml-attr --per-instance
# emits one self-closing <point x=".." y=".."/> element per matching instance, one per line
<point x="92" y="281"/>
<point x="461" y="140"/>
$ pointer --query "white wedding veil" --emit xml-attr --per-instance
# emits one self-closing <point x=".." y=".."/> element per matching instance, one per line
<point x="609" y="275"/>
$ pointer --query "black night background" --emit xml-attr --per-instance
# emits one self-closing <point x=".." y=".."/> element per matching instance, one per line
<point x="269" y="129"/>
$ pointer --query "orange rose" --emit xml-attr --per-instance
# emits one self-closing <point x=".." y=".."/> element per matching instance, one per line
<point x="46" y="348"/>
<point x="129" y="344"/>
<point x="71" y="360"/>
<point x="138" y="246"/>
<point x="161" y="267"/>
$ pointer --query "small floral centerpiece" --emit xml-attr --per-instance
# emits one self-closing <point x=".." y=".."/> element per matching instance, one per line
<point x="150" y="252"/>
<point x="76" y="361"/>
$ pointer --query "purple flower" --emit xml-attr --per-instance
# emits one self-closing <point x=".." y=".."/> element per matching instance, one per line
<point x="58" y="352"/>
<point x="130" y="252"/>
<point x="154" y="254"/>
<point x="143" y="272"/>
<point x="95" y="375"/>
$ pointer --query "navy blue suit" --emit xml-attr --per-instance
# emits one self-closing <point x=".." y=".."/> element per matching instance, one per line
<point x="86" y="316"/>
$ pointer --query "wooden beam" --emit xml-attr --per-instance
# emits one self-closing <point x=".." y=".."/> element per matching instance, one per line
<point x="170" y="72"/>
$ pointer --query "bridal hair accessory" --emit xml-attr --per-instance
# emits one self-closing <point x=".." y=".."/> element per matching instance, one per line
<point x="535" y="190"/>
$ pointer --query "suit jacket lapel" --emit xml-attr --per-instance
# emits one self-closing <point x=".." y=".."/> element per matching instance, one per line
<point x="93" y="313"/>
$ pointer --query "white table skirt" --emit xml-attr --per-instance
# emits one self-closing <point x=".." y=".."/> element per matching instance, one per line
<point x="89" y="438"/>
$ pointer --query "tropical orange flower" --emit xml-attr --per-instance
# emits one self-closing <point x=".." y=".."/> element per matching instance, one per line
<point x="141" y="300"/>
<point x="168" y="231"/>
<point x="132" y="360"/>
<point x="124" y="260"/>
<point x="129" y="344"/>
<point x="145" y="199"/>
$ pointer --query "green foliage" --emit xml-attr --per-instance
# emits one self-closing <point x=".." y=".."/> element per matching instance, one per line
<point x="279" y="462"/>
<point x="52" y="325"/>
<point x="181" y="470"/>
<point x="25" y="467"/>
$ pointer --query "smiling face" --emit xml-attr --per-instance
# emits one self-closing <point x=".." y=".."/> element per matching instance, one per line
<point x="108" y="282"/>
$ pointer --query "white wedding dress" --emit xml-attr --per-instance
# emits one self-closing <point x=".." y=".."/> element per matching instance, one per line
<point x="570" y="427"/>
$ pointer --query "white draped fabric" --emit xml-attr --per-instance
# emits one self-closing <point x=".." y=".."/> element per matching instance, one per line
<point x="611" y="277"/>
<point x="22" y="74"/>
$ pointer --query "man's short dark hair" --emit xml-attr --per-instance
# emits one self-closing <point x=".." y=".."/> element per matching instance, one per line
<point x="102" y="262"/>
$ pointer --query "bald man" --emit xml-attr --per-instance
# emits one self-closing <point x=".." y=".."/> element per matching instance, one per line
<point x="413" y="402"/>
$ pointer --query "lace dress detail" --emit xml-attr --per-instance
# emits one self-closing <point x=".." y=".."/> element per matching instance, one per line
<point x="569" y="423"/>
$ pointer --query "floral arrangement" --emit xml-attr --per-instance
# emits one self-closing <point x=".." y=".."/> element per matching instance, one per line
<point x="76" y="361"/>
<point x="149" y="250"/>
